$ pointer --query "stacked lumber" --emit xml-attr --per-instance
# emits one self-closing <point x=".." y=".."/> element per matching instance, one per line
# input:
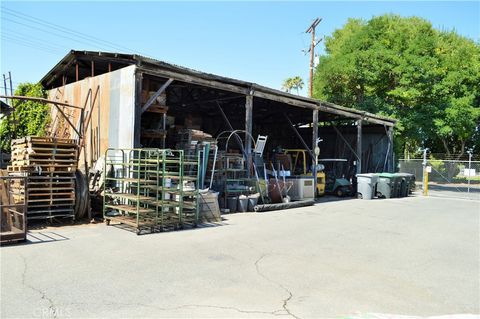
<point x="188" y="139"/>
<point x="49" y="165"/>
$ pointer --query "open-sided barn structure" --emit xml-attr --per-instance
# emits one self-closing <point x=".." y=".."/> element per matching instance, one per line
<point x="119" y="92"/>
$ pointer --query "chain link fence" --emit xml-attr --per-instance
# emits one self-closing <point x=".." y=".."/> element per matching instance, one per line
<point x="448" y="177"/>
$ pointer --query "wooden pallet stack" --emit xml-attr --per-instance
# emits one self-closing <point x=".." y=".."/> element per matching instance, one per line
<point x="49" y="165"/>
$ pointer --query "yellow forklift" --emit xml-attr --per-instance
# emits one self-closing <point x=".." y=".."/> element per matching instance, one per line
<point x="299" y="167"/>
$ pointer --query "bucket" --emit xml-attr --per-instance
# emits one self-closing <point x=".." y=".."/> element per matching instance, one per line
<point x="252" y="201"/>
<point x="232" y="204"/>
<point x="242" y="203"/>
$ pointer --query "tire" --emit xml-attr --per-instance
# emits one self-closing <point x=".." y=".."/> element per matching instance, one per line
<point x="82" y="195"/>
<point x="359" y="195"/>
<point x="339" y="192"/>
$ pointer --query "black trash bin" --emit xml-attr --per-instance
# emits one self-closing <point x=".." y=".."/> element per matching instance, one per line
<point x="387" y="186"/>
<point x="409" y="183"/>
<point x="402" y="181"/>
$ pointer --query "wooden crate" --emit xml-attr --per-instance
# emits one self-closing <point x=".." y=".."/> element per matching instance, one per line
<point x="12" y="209"/>
<point x="209" y="207"/>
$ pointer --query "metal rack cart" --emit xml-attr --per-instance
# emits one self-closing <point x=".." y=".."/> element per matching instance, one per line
<point x="145" y="189"/>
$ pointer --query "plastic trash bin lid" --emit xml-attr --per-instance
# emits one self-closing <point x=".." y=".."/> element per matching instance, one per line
<point x="368" y="176"/>
<point x="390" y="175"/>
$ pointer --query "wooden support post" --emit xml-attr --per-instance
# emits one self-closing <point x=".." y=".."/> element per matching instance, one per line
<point x="76" y="72"/>
<point x="315" y="147"/>
<point x="248" y="129"/>
<point x="390" y="160"/>
<point x="138" y="109"/>
<point x="359" y="146"/>
<point x="93" y="68"/>
<point x="164" y="128"/>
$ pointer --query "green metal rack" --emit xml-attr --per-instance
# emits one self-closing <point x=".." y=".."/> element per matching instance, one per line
<point x="145" y="189"/>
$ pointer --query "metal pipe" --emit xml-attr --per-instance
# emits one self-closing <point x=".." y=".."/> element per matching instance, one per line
<point x="213" y="166"/>
<point x="315" y="148"/>
<point x="237" y="138"/>
<point x="248" y="129"/>
<point x="38" y="99"/>
<point x="157" y="94"/>
<point x="346" y="142"/>
<point x="425" y="173"/>
<point x="279" y="206"/>
<point x="469" y="169"/>
<point x="69" y="122"/>
<point x="359" y="146"/>
<point x="299" y="136"/>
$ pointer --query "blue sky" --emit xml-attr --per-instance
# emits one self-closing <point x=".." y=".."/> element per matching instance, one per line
<point x="259" y="42"/>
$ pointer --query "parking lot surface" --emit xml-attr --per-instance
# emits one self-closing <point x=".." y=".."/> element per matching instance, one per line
<point x="413" y="256"/>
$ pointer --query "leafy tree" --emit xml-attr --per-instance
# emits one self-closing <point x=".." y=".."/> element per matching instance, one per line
<point x="27" y="118"/>
<point x="404" y="68"/>
<point x="293" y="83"/>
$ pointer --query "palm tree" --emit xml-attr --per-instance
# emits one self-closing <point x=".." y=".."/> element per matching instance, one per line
<point x="287" y="85"/>
<point x="293" y="83"/>
<point x="297" y="84"/>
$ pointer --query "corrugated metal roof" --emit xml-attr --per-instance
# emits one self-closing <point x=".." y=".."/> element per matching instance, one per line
<point x="154" y="64"/>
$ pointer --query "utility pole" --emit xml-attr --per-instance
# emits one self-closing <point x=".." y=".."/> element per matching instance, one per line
<point x="311" y="29"/>
<point x="5" y="87"/>
<point x="11" y="86"/>
<point x="10" y="101"/>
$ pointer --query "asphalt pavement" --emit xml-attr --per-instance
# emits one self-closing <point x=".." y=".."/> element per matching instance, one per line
<point x="414" y="256"/>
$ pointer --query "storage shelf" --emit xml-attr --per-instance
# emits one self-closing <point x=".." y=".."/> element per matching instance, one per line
<point x="162" y="174"/>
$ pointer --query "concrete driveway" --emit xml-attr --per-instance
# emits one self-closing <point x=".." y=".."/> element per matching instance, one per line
<point x="412" y="256"/>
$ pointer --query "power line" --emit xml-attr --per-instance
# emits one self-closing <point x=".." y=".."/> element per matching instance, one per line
<point x="29" y="45"/>
<point x="33" y="42"/>
<point x="45" y="31"/>
<point x="65" y="30"/>
<point x="56" y="26"/>
<point x="31" y="38"/>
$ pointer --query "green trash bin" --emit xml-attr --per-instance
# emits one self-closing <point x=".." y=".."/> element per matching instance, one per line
<point x="387" y="185"/>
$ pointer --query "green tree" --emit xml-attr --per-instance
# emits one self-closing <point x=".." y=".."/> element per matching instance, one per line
<point x="293" y="83"/>
<point x="28" y="118"/>
<point x="404" y="68"/>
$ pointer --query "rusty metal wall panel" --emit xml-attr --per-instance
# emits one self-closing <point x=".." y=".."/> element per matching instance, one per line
<point x="109" y="107"/>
